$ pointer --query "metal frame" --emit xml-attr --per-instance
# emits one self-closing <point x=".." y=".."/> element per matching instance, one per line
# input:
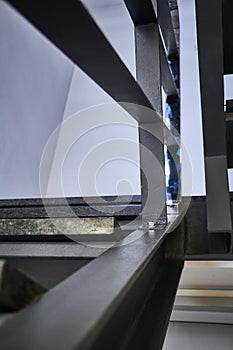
<point x="147" y="39"/>
<point x="201" y="244"/>
<point x="117" y="81"/>
<point x="124" y="297"/>
<point x="125" y="206"/>
<point x="210" y="49"/>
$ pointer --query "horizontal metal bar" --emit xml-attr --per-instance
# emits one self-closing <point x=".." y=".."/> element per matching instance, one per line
<point x="121" y="210"/>
<point x="71" y="28"/>
<point x="165" y="23"/>
<point x="50" y="250"/>
<point x="72" y="201"/>
<point x="60" y="207"/>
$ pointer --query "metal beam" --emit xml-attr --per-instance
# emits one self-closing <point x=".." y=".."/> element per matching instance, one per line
<point x="50" y="250"/>
<point x="144" y="13"/>
<point x="148" y="65"/>
<point x="65" y="212"/>
<point x="151" y="138"/>
<point x="141" y="12"/>
<point x="165" y="23"/>
<point x="227" y="36"/>
<point x="60" y="207"/>
<point x="122" y="299"/>
<point x="168" y="82"/>
<point x="210" y="49"/>
<point x="198" y="240"/>
<point x="72" y="201"/>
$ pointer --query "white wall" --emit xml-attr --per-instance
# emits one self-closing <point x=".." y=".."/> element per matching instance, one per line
<point x="34" y="82"/>
<point x="118" y="175"/>
<point x="40" y="88"/>
<point x="105" y="124"/>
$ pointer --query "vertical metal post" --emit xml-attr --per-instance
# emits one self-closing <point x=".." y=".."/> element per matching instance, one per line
<point x="210" y="49"/>
<point x="149" y="77"/>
